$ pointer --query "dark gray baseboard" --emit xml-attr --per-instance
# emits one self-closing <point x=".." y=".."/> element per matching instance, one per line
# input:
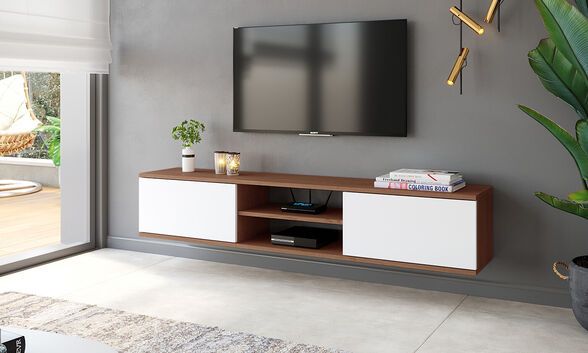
<point x="412" y="279"/>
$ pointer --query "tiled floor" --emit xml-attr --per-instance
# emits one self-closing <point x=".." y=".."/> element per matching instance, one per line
<point x="354" y="316"/>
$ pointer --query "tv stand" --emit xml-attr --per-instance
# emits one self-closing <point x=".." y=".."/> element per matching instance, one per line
<point x="440" y="232"/>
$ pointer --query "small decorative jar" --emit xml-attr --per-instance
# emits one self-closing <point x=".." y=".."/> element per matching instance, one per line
<point x="220" y="162"/>
<point x="233" y="163"/>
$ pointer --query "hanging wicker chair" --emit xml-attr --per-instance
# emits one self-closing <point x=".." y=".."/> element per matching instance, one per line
<point x="11" y="141"/>
<point x="11" y="144"/>
<point x="16" y="130"/>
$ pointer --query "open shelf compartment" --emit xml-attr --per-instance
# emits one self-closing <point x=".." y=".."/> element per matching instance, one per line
<point x="333" y="252"/>
<point x="331" y="215"/>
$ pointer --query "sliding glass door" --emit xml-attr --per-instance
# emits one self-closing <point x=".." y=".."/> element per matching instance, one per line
<point x="53" y="58"/>
<point x="46" y="173"/>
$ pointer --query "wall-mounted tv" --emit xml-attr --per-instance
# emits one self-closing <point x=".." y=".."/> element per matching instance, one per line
<point x="332" y="78"/>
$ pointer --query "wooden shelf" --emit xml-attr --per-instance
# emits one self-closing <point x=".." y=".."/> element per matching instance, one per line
<point x="333" y="251"/>
<point x="263" y="243"/>
<point x="273" y="211"/>
<point x="296" y="181"/>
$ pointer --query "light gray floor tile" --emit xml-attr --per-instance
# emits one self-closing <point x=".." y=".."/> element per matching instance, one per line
<point x="360" y="317"/>
<point x="355" y="316"/>
<point x="76" y="272"/>
<point x="498" y="326"/>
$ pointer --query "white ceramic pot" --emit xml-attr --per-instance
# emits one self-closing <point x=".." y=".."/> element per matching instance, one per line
<point x="188" y="158"/>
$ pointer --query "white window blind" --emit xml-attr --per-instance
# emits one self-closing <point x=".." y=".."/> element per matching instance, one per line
<point x="55" y="35"/>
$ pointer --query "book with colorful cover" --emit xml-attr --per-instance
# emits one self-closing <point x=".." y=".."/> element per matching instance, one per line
<point x="419" y="186"/>
<point x="424" y="176"/>
<point x="386" y="178"/>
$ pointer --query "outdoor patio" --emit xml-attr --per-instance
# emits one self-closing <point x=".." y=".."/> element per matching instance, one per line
<point x="30" y="221"/>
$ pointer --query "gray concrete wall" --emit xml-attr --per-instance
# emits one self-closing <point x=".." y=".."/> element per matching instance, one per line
<point x="46" y="175"/>
<point x="173" y="60"/>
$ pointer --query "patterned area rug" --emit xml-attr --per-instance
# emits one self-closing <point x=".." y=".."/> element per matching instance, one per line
<point x="132" y="333"/>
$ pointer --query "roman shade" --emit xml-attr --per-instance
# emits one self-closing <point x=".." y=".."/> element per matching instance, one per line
<point x="55" y="35"/>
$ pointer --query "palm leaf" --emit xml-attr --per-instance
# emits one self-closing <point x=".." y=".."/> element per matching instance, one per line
<point x="564" y="137"/>
<point x="572" y="207"/>
<point x="582" y="134"/>
<point x="579" y="196"/>
<point x="54" y="141"/>
<point x="568" y="29"/>
<point x="559" y="76"/>
<point x="582" y="6"/>
<point x="55" y="151"/>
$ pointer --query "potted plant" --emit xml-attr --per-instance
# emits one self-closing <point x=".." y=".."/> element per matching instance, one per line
<point x="189" y="132"/>
<point x="561" y="62"/>
<point x="53" y="141"/>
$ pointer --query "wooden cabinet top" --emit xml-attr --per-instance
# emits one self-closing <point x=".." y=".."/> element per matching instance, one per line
<point x="297" y="181"/>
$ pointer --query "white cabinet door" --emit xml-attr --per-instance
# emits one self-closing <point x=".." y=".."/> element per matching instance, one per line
<point x="429" y="231"/>
<point x="188" y="209"/>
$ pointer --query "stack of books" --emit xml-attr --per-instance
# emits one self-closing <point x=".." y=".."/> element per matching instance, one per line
<point x="421" y="180"/>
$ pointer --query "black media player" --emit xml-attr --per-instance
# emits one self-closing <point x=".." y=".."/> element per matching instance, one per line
<point x="305" y="237"/>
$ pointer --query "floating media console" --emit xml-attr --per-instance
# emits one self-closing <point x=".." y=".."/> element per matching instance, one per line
<point x="443" y="232"/>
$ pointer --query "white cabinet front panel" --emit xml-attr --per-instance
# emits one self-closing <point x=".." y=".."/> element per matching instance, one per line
<point x="188" y="209"/>
<point x="420" y="230"/>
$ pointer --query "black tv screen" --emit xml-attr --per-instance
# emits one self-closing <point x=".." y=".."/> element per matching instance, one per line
<point x="333" y="78"/>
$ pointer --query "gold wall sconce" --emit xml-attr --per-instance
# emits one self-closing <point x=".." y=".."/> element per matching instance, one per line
<point x="467" y="20"/>
<point x="494" y="9"/>
<point x="460" y="63"/>
<point x="459" y="18"/>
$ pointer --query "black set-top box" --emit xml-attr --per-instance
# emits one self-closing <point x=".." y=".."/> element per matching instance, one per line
<point x="305" y="237"/>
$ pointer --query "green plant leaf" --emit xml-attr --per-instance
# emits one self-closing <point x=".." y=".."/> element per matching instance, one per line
<point x="572" y="207"/>
<point x="54" y="121"/>
<point x="559" y="76"/>
<point x="582" y="134"/>
<point x="189" y="132"/>
<point x="54" y="140"/>
<point x="582" y="6"/>
<point x="54" y="151"/>
<point x="49" y="128"/>
<point x="579" y="196"/>
<point x="568" y="28"/>
<point x="564" y="137"/>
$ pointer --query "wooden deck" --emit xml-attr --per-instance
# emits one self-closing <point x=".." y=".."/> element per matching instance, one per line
<point x="30" y="221"/>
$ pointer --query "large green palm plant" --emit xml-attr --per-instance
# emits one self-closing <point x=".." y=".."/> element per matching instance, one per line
<point x="561" y="62"/>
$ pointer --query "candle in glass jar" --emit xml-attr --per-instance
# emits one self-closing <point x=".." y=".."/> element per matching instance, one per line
<point x="233" y="163"/>
<point x="220" y="162"/>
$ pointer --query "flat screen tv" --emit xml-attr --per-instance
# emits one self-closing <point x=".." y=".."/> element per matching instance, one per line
<point x="332" y="78"/>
